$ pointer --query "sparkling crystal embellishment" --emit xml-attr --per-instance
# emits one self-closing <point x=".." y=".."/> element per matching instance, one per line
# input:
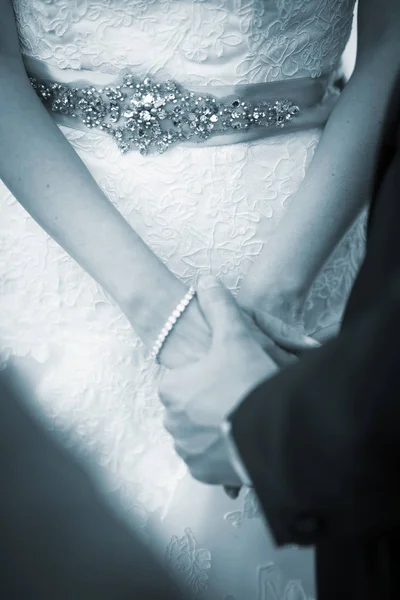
<point x="152" y="116"/>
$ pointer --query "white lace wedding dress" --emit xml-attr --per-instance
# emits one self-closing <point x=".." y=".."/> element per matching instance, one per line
<point x="198" y="209"/>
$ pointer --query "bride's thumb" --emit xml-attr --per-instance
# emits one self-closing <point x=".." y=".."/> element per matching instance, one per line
<point x="218" y="306"/>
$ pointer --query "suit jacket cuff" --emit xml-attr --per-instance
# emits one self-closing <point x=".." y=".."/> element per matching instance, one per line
<point x="287" y="522"/>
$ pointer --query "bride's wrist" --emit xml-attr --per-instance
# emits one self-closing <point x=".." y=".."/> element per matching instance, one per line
<point x="149" y="310"/>
<point x="190" y="336"/>
<point x="188" y="340"/>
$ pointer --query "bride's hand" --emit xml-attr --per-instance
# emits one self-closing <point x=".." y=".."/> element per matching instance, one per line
<point x="278" y="354"/>
<point x="277" y="314"/>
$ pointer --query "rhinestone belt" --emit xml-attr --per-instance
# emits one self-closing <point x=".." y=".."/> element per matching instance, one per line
<point x="152" y="116"/>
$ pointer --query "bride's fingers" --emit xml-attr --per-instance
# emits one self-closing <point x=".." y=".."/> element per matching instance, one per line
<point x="284" y="335"/>
<point x="327" y="333"/>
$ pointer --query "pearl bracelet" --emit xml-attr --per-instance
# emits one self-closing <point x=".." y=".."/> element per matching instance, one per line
<point x="165" y="331"/>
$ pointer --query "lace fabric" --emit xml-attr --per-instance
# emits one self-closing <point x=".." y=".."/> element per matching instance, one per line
<point x="199" y="42"/>
<point x="199" y="210"/>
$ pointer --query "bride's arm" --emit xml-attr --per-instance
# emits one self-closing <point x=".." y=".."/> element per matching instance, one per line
<point x="46" y="175"/>
<point x="340" y="178"/>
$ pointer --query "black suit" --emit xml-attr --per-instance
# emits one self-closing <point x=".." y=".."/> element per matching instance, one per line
<point x="321" y="440"/>
<point x="58" y="539"/>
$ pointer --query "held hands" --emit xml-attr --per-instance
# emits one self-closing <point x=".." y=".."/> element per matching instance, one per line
<point x="198" y="397"/>
<point x="190" y="339"/>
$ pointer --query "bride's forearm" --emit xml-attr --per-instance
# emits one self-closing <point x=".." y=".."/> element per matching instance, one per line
<point x="338" y="183"/>
<point x="48" y="178"/>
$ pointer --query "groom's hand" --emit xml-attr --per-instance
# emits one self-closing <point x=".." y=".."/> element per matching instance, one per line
<point x="199" y="397"/>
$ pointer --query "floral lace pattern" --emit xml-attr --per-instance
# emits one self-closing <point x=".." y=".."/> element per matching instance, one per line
<point x="199" y="210"/>
<point x="183" y="555"/>
<point x="250" y="509"/>
<point x="250" y="40"/>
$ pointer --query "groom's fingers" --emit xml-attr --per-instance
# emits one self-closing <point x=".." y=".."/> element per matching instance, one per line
<point x="219" y="307"/>
<point x="325" y="334"/>
<point x="286" y="336"/>
<point x="280" y="356"/>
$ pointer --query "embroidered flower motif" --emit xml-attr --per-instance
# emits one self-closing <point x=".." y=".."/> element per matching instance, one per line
<point x="68" y="57"/>
<point x="272" y="586"/>
<point x="251" y="510"/>
<point x="217" y="43"/>
<point x="191" y="562"/>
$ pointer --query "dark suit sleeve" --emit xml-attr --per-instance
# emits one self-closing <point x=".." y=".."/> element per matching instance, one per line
<point x="321" y="440"/>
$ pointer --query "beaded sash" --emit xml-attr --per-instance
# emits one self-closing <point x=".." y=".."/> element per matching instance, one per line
<point x="151" y="116"/>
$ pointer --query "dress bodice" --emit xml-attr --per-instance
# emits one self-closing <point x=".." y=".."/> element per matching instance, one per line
<point x="224" y="42"/>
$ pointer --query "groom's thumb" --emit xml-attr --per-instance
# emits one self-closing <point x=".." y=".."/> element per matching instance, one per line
<point x="219" y="307"/>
